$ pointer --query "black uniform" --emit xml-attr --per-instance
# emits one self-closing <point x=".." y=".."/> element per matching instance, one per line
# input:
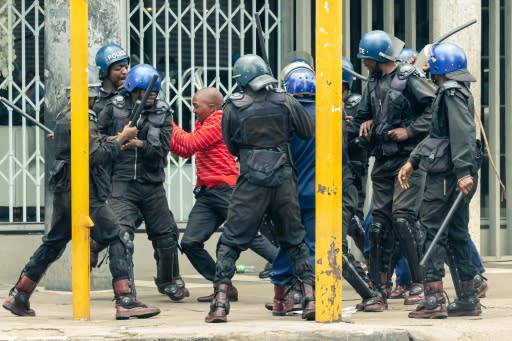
<point x="137" y="183"/>
<point x="107" y="230"/>
<point x="448" y="154"/>
<point x="400" y="99"/>
<point x="358" y="152"/>
<point x="257" y="127"/>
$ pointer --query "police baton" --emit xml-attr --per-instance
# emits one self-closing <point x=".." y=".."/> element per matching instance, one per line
<point x="445" y="223"/>
<point x="261" y="41"/>
<point x="139" y="104"/>
<point x="355" y="74"/>
<point x="24" y="114"/>
<point x="425" y="53"/>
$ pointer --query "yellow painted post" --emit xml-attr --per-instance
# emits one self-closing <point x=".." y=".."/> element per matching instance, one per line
<point x="79" y="161"/>
<point x="328" y="160"/>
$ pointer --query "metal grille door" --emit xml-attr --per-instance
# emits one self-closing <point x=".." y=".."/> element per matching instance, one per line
<point x="21" y="145"/>
<point x="194" y="44"/>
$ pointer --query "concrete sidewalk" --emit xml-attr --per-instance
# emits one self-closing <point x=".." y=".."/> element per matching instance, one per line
<point x="249" y="320"/>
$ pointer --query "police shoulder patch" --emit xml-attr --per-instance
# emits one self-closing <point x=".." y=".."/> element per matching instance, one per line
<point x="405" y="70"/>
<point x="119" y="101"/>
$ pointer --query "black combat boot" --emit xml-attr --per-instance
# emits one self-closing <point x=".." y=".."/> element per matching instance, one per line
<point x="127" y="305"/>
<point x="168" y="280"/>
<point x="18" y="300"/>
<point x="434" y="305"/>
<point x="468" y="304"/>
<point x="219" y="308"/>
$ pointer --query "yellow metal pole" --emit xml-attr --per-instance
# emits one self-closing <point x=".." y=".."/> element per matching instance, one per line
<point x="328" y="160"/>
<point x="79" y="161"/>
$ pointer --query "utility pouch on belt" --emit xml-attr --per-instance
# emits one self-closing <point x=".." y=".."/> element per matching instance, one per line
<point x="435" y="155"/>
<point x="267" y="168"/>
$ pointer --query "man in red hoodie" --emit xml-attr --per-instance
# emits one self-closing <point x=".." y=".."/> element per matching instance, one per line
<point x="217" y="172"/>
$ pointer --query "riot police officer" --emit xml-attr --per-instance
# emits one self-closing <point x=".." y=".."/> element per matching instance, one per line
<point x="112" y="62"/>
<point x="257" y="126"/>
<point x="299" y="81"/>
<point x="451" y="157"/>
<point x="107" y="230"/>
<point x="394" y="114"/>
<point x="138" y="174"/>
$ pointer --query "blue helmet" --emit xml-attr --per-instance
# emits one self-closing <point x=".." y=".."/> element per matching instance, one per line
<point x="108" y="55"/>
<point x="446" y="58"/>
<point x="140" y="76"/>
<point x="407" y="53"/>
<point x="248" y="67"/>
<point x="373" y="43"/>
<point x="301" y="83"/>
<point x="347" y="76"/>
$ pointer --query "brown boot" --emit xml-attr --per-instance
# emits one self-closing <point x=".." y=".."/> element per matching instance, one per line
<point x="376" y="304"/>
<point x="468" y="304"/>
<point x="398" y="292"/>
<point x="481" y="287"/>
<point x="232" y="295"/>
<point x="283" y="302"/>
<point x="18" y="300"/>
<point x="308" y="303"/>
<point x="127" y="305"/>
<point x="434" y="305"/>
<point x="415" y="294"/>
<point x="294" y="294"/>
<point x="219" y="309"/>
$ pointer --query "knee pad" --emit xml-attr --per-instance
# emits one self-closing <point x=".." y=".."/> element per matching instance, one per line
<point x="164" y="243"/>
<point x="376" y="232"/>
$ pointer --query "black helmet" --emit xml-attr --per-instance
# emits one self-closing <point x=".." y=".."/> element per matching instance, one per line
<point x="249" y="67"/>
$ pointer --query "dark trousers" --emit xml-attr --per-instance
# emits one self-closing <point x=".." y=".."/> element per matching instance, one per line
<point x="440" y="193"/>
<point x="390" y="201"/>
<point x="105" y="231"/>
<point x="249" y="203"/>
<point x="209" y="212"/>
<point x="282" y="270"/>
<point x="350" y="203"/>
<point x="130" y="199"/>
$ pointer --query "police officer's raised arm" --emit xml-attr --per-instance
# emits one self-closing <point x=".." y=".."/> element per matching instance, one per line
<point x="300" y="120"/>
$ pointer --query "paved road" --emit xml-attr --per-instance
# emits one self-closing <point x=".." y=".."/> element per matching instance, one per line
<point x="250" y="321"/>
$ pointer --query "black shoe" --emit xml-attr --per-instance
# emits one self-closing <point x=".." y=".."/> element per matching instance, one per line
<point x="265" y="273"/>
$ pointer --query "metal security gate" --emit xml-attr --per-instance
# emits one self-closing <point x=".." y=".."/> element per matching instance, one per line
<point x="21" y="144"/>
<point x="194" y="44"/>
